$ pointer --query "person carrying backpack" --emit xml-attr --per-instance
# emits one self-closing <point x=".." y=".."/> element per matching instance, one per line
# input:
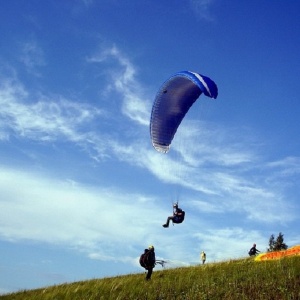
<point x="147" y="261"/>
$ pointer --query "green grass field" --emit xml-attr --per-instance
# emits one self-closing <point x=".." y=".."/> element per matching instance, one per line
<point x="236" y="279"/>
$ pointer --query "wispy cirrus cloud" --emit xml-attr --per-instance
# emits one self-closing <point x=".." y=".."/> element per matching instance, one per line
<point x="288" y="166"/>
<point x="42" y="119"/>
<point x="223" y="188"/>
<point x="123" y="79"/>
<point x="32" y="56"/>
<point x="202" y="8"/>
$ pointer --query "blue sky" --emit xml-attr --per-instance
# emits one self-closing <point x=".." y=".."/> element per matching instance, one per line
<point x="82" y="190"/>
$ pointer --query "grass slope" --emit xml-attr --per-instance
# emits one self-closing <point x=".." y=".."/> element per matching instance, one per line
<point x="238" y="279"/>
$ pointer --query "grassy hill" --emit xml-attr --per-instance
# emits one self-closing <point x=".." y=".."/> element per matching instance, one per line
<point x="237" y="279"/>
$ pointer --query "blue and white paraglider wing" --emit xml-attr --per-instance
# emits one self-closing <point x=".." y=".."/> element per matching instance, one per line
<point x="172" y="102"/>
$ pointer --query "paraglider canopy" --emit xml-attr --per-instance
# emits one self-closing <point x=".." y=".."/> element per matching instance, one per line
<point x="172" y="102"/>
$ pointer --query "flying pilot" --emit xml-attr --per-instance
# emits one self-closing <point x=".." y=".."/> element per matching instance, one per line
<point x="178" y="216"/>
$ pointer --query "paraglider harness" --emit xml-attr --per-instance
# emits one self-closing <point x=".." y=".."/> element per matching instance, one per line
<point x="177" y="219"/>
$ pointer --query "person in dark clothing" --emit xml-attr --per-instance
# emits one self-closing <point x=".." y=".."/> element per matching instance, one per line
<point x="150" y="262"/>
<point x="253" y="251"/>
<point x="178" y="216"/>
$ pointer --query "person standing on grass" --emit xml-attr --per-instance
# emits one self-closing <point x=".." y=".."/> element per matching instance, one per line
<point x="203" y="257"/>
<point x="147" y="261"/>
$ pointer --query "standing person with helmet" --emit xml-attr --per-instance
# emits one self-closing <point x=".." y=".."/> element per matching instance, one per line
<point x="147" y="261"/>
<point x="151" y="262"/>
<point x="253" y="251"/>
<point x="178" y="216"/>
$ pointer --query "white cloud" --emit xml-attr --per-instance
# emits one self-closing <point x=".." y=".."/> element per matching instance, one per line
<point x="32" y="57"/>
<point x="229" y="242"/>
<point x="202" y="8"/>
<point x="44" y="119"/>
<point x="55" y="212"/>
<point x="123" y="79"/>
<point x="201" y="143"/>
<point x="222" y="189"/>
<point x="288" y="166"/>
